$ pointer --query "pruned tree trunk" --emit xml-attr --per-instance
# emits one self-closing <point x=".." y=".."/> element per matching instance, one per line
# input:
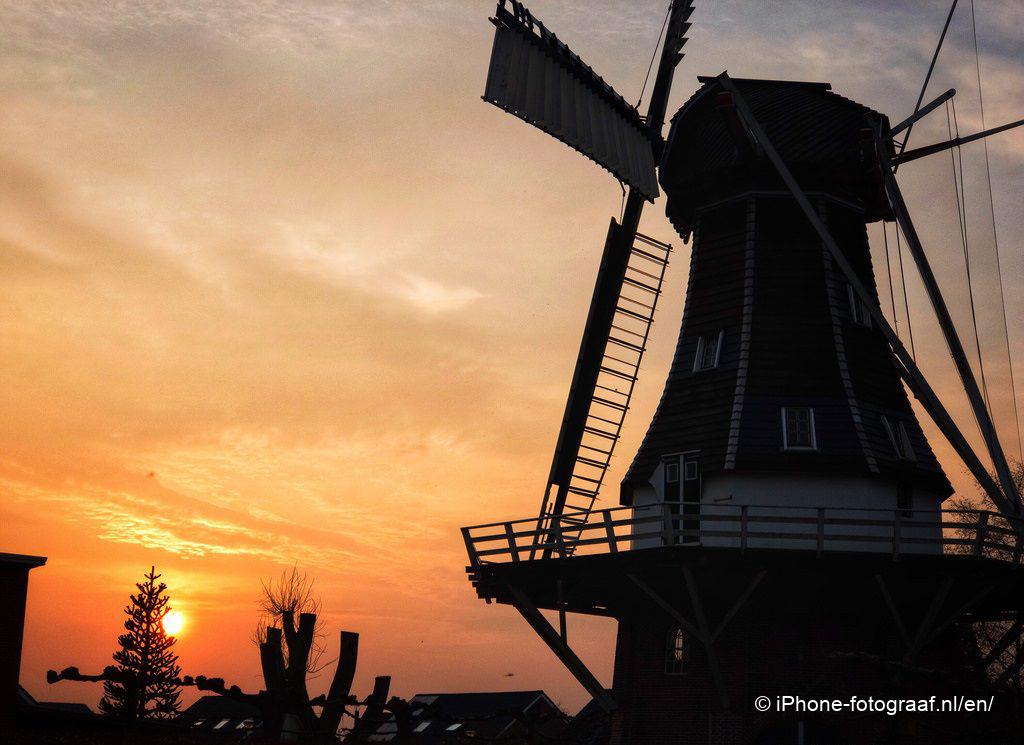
<point x="373" y="714"/>
<point x="341" y="687"/>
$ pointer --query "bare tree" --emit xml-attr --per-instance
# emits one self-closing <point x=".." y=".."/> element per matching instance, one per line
<point x="284" y="600"/>
<point x="1001" y="542"/>
<point x="290" y="639"/>
<point x="998" y="642"/>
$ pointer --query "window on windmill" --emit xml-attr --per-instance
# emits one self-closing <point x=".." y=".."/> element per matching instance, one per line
<point x="798" y="428"/>
<point x="858" y="310"/>
<point x="422" y="726"/>
<point x="709" y="351"/>
<point x="677" y="652"/>
<point x="899" y="438"/>
<point x="221" y="723"/>
<point x="198" y="723"/>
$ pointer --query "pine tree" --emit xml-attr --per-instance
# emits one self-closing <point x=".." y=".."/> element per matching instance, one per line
<point x="147" y="681"/>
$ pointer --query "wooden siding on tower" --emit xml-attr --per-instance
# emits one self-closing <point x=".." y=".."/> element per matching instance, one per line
<point x="743" y="365"/>
<point x="876" y="385"/>
<point x="793" y="360"/>
<point x="840" y="310"/>
<point x="696" y="407"/>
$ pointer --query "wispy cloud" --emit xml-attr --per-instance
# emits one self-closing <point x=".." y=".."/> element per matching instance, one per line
<point x="432" y="296"/>
<point x="279" y="255"/>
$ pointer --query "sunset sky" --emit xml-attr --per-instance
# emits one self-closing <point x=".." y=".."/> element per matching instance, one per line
<point x="277" y="287"/>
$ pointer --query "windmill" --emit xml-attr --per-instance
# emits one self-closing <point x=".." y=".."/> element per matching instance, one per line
<point x="784" y="460"/>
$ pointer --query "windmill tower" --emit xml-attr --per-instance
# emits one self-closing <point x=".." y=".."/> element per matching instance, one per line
<point x="782" y="391"/>
<point x="781" y="530"/>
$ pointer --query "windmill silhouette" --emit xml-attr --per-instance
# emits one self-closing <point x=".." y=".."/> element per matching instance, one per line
<point x="783" y="515"/>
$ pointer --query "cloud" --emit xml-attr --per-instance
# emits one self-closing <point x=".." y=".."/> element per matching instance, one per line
<point x="432" y="296"/>
<point x="279" y="255"/>
<point x="182" y="527"/>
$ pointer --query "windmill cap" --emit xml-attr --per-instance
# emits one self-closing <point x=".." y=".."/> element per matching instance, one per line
<point x="710" y="154"/>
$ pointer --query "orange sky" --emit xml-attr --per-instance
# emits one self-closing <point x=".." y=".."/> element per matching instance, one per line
<point x="276" y="287"/>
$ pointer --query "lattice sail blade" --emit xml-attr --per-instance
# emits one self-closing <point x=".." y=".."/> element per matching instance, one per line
<point x="536" y="77"/>
<point x="618" y="326"/>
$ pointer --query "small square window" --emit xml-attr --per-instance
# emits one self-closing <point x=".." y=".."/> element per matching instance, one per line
<point x="898" y="438"/>
<point x="671" y="472"/>
<point x="858" y="310"/>
<point x="691" y="471"/>
<point x="709" y="351"/>
<point x="798" y="428"/>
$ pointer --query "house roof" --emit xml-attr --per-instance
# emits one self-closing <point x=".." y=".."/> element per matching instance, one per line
<point x="22" y="559"/>
<point x="475" y="704"/>
<point x="436" y="717"/>
<point x="26" y="699"/>
<point x="220" y="715"/>
<point x="590" y="726"/>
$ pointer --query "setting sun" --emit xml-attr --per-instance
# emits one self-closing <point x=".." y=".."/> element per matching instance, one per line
<point x="173" y="622"/>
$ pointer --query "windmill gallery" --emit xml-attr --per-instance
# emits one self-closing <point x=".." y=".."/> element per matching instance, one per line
<point x="781" y="531"/>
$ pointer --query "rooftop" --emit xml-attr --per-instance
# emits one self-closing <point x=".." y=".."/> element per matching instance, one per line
<point x="439" y="717"/>
<point x="23" y="559"/>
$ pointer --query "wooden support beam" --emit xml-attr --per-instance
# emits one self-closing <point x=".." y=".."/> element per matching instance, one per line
<point x="561" y="650"/>
<point x="702" y="624"/>
<point x="983" y="593"/>
<point x="930" y="401"/>
<point x="939" y="147"/>
<point x="740" y="601"/>
<point x="563" y="628"/>
<point x="893" y="610"/>
<point x="699" y="630"/>
<point x="609" y="531"/>
<point x="746" y="146"/>
<point x="921" y="637"/>
<point x="1009" y="636"/>
<point x="671" y="610"/>
<point x="931" y="68"/>
<point x="1010" y="672"/>
<point x="922" y="112"/>
<point x="1009" y="502"/>
<point x="922" y="634"/>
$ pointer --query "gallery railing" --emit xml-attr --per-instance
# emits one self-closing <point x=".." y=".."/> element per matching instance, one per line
<point x="608" y="531"/>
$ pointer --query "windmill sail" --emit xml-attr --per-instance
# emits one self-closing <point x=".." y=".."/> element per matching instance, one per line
<point x="613" y="345"/>
<point x="536" y="77"/>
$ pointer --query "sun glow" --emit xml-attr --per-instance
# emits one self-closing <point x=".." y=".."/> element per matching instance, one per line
<point x="173" y="622"/>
